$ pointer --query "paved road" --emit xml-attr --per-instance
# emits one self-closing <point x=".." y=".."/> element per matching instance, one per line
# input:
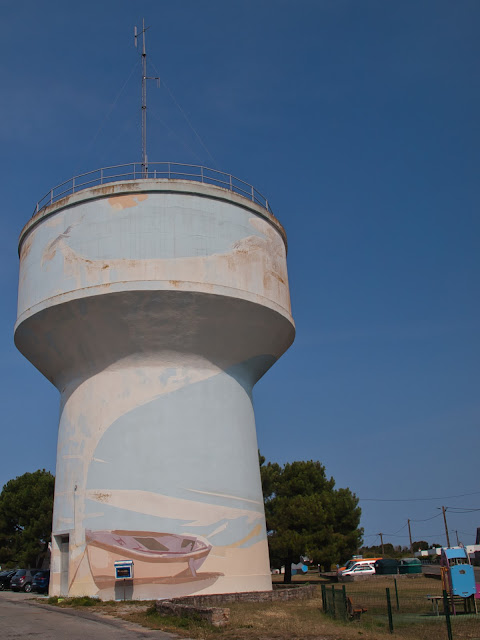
<point x="434" y="569"/>
<point x="20" y="617"/>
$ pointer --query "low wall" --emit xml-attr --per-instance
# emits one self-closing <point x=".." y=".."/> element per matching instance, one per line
<point x="284" y="593"/>
<point x="204" y="606"/>
<point x="216" y="616"/>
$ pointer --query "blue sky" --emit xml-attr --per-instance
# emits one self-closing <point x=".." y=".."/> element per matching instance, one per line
<point x="358" y="119"/>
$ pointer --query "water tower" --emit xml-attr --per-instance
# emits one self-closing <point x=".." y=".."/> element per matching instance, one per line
<point x="154" y="297"/>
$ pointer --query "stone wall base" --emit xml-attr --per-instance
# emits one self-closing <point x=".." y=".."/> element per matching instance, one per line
<point x="216" y="616"/>
<point x="204" y="607"/>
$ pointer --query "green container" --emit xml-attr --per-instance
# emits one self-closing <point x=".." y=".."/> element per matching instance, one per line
<point x="410" y="565"/>
<point x="387" y="566"/>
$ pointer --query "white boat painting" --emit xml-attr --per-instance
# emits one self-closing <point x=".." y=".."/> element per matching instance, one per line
<point x="167" y="554"/>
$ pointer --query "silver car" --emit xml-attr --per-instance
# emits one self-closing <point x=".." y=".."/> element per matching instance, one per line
<point x="22" y="580"/>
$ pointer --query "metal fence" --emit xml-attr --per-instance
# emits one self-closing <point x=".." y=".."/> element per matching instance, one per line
<point x="334" y="602"/>
<point x="154" y="171"/>
<point x="414" y="606"/>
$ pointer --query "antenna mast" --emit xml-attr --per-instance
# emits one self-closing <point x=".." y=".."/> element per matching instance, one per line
<point x="144" y="99"/>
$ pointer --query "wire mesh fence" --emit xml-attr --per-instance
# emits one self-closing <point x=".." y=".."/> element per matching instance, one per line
<point x="409" y="606"/>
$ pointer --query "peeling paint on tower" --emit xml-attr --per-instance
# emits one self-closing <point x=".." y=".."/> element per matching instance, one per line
<point x="154" y="306"/>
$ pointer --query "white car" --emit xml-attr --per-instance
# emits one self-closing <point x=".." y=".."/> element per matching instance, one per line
<point x="359" y="570"/>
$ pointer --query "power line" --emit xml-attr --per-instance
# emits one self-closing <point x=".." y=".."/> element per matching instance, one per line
<point x="462" y="495"/>
<point x="427" y="519"/>
<point x="432" y="535"/>
<point x="394" y="534"/>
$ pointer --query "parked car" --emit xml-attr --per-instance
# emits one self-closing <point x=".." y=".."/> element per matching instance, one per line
<point x="364" y="569"/>
<point x="22" y="580"/>
<point x="356" y="562"/>
<point x="41" y="580"/>
<point x="5" y="577"/>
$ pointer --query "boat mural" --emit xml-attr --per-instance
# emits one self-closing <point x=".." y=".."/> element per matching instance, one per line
<point x="156" y="555"/>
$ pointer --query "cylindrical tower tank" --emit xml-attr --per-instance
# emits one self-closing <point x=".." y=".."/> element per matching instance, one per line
<point x="154" y="306"/>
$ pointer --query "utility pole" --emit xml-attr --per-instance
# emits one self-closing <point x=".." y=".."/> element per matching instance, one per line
<point x="410" y="536"/>
<point x="144" y="100"/>
<point x="446" y="528"/>
<point x="381" y="541"/>
<point x="458" y="541"/>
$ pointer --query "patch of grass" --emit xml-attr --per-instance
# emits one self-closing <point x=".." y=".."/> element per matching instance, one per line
<point x="304" y="619"/>
<point x="83" y="601"/>
<point x="192" y="626"/>
<point x="292" y="620"/>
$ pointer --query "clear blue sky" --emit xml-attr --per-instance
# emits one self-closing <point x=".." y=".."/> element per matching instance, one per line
<point x="359" y="120"/>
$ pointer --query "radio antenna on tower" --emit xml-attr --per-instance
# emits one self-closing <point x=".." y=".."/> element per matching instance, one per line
<point x="144" y="98"/>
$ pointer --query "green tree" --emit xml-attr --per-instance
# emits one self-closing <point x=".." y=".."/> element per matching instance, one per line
<point x="306" y="515"/>
<point x="26" y="505"/>
<point x="420" y="545"/>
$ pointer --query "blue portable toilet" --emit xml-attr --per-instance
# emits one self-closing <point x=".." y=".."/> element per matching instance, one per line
<point x="460" y="575"/>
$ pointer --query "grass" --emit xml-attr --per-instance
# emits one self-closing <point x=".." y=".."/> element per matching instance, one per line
<point x="252" y="621"/>
<point x="84" y="601"/>
<point x="304" y="619"/>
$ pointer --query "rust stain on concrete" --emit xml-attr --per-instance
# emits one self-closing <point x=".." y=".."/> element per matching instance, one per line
<point x="273" y="274"/>
<point x="127" y="201"/>
<point x="26" y="246"/>
<point x="52" y="247"/>
<point x="102" y="496"/>
<point x="255" y="263"/>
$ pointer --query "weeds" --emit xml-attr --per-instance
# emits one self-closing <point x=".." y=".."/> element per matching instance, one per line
<point x="83" y="601"/>
<point x="302" y="619"/>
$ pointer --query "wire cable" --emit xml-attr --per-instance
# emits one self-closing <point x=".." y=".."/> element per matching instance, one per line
<point x="154" y="113"/>
<point x="462" y="495"/>
<point x="163" y="83"/>
<point x="108" y="114"/>
<point x="427" y="519"/>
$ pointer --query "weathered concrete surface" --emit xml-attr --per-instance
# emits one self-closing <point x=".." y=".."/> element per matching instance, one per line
<point x="154" y="311"/>
<point x="23" y="619"/>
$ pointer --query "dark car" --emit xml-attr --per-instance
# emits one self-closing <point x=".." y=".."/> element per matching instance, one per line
<point x="41" y="580"/>
<point x="5" y="577"/>
<point x="22" y="580"/>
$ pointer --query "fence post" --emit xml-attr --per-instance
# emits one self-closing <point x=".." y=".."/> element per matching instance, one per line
<point x="389" y="609"/>
<point x="334" y="611"/>
<point x="446" y="610"/>
<point x="324" y="599"/>
<point x="396" y="594"/>
<point x="344" y="592"/>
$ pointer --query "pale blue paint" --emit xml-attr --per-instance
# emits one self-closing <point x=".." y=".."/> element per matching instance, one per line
<point x="187" y="439"/>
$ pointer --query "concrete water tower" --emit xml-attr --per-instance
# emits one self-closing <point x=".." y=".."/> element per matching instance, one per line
<point x="154" y="298"/>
